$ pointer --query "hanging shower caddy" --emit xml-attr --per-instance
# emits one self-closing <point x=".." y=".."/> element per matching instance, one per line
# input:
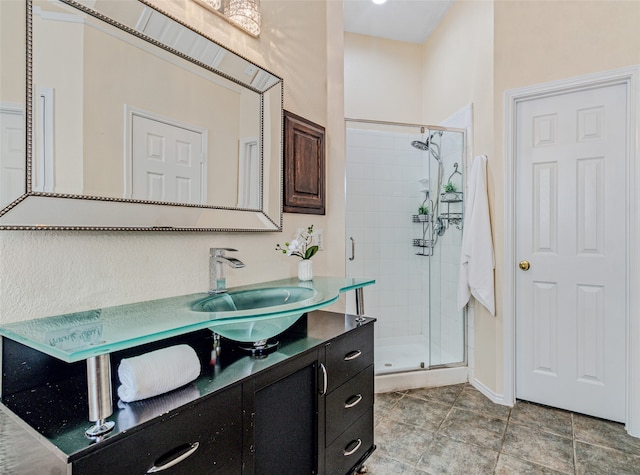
<point x="452" y="216"/>
<point x="435" y="226"/>
<point x="425" y="245"/>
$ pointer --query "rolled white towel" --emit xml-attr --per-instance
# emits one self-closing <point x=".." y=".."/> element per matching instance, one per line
<point x="157" y="372"/>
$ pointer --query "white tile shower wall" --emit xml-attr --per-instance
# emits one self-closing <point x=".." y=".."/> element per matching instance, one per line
<point x="383" y="193"/>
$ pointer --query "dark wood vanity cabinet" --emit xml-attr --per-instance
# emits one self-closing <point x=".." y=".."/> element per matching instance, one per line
<point x="305" y="409"/>
<point x="314" y="414"/>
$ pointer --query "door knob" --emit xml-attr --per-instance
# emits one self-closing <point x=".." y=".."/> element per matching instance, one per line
<point x="524" y="265"/>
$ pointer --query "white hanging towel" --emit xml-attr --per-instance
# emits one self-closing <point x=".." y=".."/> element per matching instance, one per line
<point x="476" y="257"/>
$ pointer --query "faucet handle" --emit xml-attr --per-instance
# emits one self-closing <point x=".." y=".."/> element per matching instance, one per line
<point x="219" y="251"/>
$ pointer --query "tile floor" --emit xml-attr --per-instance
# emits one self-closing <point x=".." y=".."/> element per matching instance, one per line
<point x="457" y="430"/>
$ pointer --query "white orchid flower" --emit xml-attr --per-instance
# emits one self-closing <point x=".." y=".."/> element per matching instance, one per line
<point x="301" y="244"/>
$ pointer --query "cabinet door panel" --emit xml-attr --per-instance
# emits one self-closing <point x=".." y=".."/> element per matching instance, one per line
<point x="214" y="424"/>
<point x="285" y="425"/>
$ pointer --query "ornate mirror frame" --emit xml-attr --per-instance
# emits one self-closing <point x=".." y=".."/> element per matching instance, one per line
<point x="36" y="210"/>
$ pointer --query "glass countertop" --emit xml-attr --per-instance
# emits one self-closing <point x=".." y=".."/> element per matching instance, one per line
<point x="81" y="335"/>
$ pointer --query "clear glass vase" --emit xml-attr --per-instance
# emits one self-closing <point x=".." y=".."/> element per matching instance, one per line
<point x="305" y="270"/>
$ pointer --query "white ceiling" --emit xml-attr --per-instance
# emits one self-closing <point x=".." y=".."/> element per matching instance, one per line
<point x="403" y="20"/>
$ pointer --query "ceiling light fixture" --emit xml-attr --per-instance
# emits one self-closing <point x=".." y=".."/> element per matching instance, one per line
<point x="212" y="4"/>
<point x="378" y="2"/>
<point x="244" y="13"/>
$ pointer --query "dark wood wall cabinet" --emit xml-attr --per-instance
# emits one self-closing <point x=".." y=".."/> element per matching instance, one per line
<point x="304" y="166"/>
<point x="307" y="408"/>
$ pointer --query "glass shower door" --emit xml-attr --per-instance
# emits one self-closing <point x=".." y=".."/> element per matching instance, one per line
<point x="389" y="235"/>
<point x="447" y="324"/>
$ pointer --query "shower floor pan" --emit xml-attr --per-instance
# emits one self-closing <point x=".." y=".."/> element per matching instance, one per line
<point x="398" y="366"/>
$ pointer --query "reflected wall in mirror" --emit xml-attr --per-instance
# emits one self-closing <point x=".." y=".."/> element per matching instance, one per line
<point x="132" y="120"/>
<point x="12" y="101"/>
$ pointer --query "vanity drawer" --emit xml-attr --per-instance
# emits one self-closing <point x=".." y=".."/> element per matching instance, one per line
<point x="347" y="403"/>
<point x="347" y="450"/>
<point x="213" y="425"/>
<point x="348" y="355"/>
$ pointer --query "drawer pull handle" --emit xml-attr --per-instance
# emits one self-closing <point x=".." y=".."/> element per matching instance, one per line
<point x="346" y="452"/>
<point x="353" y="401"/>
<point x="353" y="355"/>
<point x="159" y="468"/>
<point x="325" y="380"/>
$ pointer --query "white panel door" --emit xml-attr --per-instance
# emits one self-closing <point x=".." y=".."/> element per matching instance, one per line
<point x="570" y="227"/>
<point x="167" y="162"/>
<point x="12" y="156"/>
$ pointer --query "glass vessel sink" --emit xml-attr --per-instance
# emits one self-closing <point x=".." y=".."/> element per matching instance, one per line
<point x="253" y="298"/>
<point x="256" y="332"/>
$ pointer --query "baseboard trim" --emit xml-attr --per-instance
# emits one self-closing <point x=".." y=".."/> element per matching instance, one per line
<point x="494" y="397"/>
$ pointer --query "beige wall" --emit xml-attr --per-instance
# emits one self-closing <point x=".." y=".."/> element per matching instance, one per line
<point x="543" y="41"/>
<point x="490" y="47"/>
<point x="481" y="49"/>
<point x="48" y="273"/>
<point x="383" y="79"/>
<point x="11" y="33"/>
<point x="537" y="42"/>
<point x="65" y="82"/>
<point x="334" y="233"/>
<point x="451" y="81"/>
<point x="457" y="61"/>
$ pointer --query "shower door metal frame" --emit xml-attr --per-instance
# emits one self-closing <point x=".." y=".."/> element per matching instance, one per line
<point x="423" y="128"/>
<point x="464" y="361"/>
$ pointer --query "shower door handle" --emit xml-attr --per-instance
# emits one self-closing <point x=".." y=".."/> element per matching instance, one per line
<point x="353" y="249"/>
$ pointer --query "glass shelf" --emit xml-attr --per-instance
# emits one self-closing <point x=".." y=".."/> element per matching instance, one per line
<point x="82" y="335"/>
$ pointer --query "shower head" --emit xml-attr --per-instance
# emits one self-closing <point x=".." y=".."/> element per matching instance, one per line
<point x="421" y="145"/>
<point x="427" y="146"/>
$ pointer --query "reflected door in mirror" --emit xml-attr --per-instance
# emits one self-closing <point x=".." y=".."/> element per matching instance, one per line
<point x="12" y="166"/>
<point x="167" y="162"/>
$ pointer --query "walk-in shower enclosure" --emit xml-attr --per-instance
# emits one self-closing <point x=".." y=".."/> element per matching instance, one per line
<point x="404" y="222"/>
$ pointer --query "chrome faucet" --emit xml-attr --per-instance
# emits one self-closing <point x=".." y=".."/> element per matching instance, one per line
<point x="217" y="270"/>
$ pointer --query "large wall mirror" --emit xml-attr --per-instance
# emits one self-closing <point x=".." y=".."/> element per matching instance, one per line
<point x="114" y="115"/>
